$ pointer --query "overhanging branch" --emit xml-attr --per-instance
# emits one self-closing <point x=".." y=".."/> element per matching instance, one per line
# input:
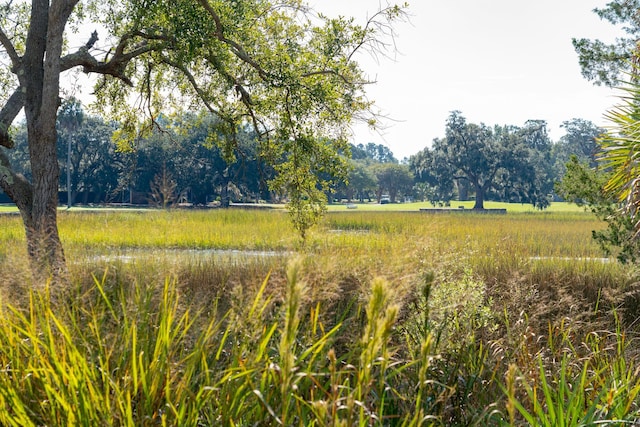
<point x="194" y="84"/>
<point x="115" y="66"/>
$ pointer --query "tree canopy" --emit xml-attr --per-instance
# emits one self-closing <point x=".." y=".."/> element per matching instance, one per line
<point x="604" y="63"/>
<point x="505" y="159"/>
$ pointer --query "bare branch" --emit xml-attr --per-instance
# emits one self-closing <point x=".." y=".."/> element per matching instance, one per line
<point x="116" y="65"/>
<point x="379" y="23"/>
<point x="92" y="41"/>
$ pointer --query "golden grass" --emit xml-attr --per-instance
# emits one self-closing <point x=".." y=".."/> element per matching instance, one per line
<point x="383" y="292"/>
<point x="543" y="250"/>
<point x="393" y="244"/>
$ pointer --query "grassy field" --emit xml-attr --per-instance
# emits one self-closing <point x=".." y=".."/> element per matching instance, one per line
<point x="225" y="317"/>
<point x="400" y="207"/>
<point x="416" y="206"/>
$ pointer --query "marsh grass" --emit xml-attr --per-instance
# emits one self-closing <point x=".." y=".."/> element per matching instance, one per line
<point x="220" y="229"/>
<point x="133" y="355"/>
<point x="379" y="318"/>
<point x="595" y="383"/>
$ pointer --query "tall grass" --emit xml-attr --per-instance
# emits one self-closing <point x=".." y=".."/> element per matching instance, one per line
<point x="594" y="384"/>
<point x="379" y="318"/>
<point x="134" y="356"/>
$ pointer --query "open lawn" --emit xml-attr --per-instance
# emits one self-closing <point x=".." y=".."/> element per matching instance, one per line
<point x="224" y="317"/>
<point x="416" y="206"/>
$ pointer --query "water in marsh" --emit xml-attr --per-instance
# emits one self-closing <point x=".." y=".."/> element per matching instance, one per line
<point x="190" y="255"/>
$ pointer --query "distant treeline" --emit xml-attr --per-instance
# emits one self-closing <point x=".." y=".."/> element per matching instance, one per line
<point x="179" y="161"/>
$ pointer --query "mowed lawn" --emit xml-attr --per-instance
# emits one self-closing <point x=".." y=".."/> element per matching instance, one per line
<point x="414" y="206"/>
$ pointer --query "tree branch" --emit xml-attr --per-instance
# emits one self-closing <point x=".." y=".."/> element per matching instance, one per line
<point x="8" y="114"/>
<point x="238" y="50"/>
<point x="92" y="41"/>
<point x="194" y="84"/>
<point x="115" y="66"/>
<point x="16" y="61"/>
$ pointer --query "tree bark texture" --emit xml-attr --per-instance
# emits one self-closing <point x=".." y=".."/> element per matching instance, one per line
<point x="39" y="78"/>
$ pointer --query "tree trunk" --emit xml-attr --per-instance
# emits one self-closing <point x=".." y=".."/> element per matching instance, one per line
<point x="43" y="241"/>
<point x="479" y="205"/>
<point x="393" y="193"/>
<point x="37" y="202"/>
<point x="41" y="85"/>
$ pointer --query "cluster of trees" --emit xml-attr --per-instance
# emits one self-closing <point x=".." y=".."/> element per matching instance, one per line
<point x="374" y="172"/>
<point x="181" y="161"/>
<point x="504" y="163"/>
<point x="474" y="161"/>
<point x="178" y="161"/>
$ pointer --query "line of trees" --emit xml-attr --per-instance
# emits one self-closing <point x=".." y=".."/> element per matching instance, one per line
<point x="180" y="162"/>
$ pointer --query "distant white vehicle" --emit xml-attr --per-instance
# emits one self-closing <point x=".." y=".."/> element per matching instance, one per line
<point x="384" y="199"/>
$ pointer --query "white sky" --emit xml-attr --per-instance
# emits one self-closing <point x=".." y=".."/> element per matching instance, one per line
<point x="497" y="61"/>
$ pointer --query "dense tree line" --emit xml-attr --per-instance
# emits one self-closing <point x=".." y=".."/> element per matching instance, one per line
<point x="180" y="161"/>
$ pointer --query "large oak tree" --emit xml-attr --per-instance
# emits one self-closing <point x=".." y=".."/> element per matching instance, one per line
<point x="500" y="158"/>
<point x="279" y="66"/>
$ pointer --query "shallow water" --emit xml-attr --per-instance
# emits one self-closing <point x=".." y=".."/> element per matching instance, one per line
<point x="193" y="255"/>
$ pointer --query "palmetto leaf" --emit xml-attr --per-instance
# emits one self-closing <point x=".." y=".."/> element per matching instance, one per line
<point x="621" y="147"/>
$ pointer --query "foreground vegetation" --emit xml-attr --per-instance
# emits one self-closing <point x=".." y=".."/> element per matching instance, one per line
<point x="380" y="318"/>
